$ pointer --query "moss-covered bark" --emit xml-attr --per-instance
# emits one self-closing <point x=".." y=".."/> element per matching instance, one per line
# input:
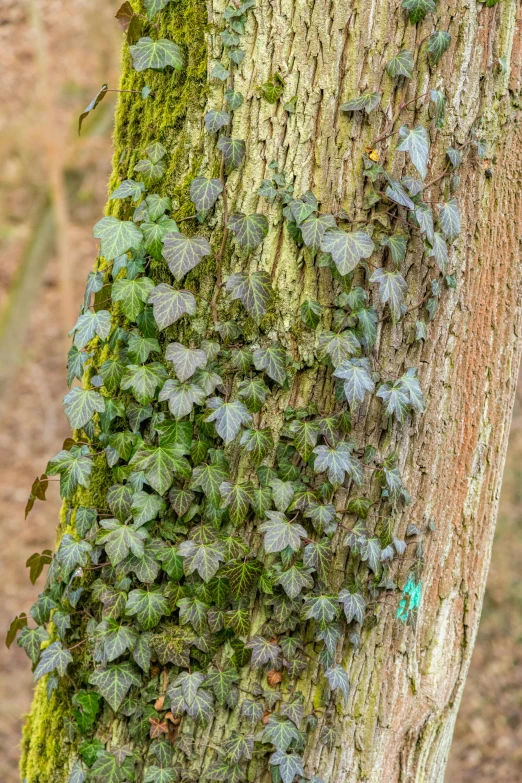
<point x="406" y="681"/>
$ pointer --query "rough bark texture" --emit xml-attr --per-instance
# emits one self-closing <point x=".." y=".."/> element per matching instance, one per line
<point x="406" y="681"/>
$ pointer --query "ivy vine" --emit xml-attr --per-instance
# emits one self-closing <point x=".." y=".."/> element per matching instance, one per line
<point x="188" y="575"/>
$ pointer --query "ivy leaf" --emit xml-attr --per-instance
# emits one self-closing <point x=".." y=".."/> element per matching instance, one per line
<point x="301" y="210"/>
<point x="156" y="54"/>
<point x="78" y="773"/>
<point x="181" y="397"/>
<point x="371" y="554"/>
<point x="185" y="360"/>
<point x="209" y="478"/>
<point x="31" y="641"/>
<point x="119" y="499"/>
<point x="424" y="218"/>
<point x="273" y="361"/>
<point x="338" y="347"/>
<point x="242" y="575"/>
<point x="205" y="192"/>
<point x="401" y="65"/>
<point x="438" y="44"/>
<point x="338" y="680"/>
<point x="450" y="219"/>
<point x="154" y="233"/>
<point x="229" y="417"/>
<point x="416" y="142"/>
<point x="72" y="553"/>
<point x="397" y="193"/>
<point x="254" y="393"/>
<point x="160" y="774"/>
<point x="144" y="380"/>
<point x="311" y="313"/>
<point x="74" y="468"/>
<point x="222" y="771"/>
<point x="354" y="605"/>
<point x="272" y="89"/>
<point x="418" y="9"/>
<point x="439" y="99"/>
<point x="411" y="385"/>
<point x="160" y="464"/>
<point x="100" y="95"/>
<point x="356" y="374"/>
<point x="295" y="580"/>
<point x="314" y="228"/>
<point x="129" y="188"/>
<point x="280" y="533"/>
<point x="253" y="291"/>
<point x="366" y="102"/>
<point x="114" y="682"/>
<point x="219" y="72"/>
<point x="290" y="765"/>
<point x="238" y="747"/>
<point x="305" y="437"/>
<point x="233" y="151"/>
<point x="250" y="230"/>
<point x="221" y="682"/>
<point x="107" y="769"/>
<point x="392" y="288"/>
<point x="263" y="651"/>
<point x="347" y="249"/>
<point x="120" y="540"/>
<point x="282" y="493"/>
<point x="215" y="120"/>
<point x="154" y="6"/>
<point x="184" y="253"/>
<point x="157" y="205"/>
<point x="156" y="151"/>
<point x="439" y="250"/>
<point x="118" y="639"/>
<point x="201" y="557"/>
<point x="258" y="443"/>
<point x="53" y="659"/>
<point x="146" y="507"/>
<point x="150" y="170"/>
<point x="252" y="710"/>
<point x="234" y="99"/>
<point x="397" y="243"/>
<point x="323" y="518"/>
<point x="90" y="324"/>
<point x="116" y="236"/>
<point x="133" y="294"/>
<point x="194" y="612"/>
<point x="237" y="498"/>
<point x="396" y="399"/>
<point x="148" y="606"/>
<point x="338" y="461"/>
<point x="80" y="405"/>
<point x="281" y="732"/>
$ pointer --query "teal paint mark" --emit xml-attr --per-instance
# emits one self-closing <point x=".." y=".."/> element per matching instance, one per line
<point x="411" y="600"/>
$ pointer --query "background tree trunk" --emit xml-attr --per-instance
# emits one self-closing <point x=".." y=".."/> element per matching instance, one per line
<point x="406" y="679"/>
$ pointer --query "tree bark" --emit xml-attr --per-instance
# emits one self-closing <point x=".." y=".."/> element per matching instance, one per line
<point x="406" y="679"/>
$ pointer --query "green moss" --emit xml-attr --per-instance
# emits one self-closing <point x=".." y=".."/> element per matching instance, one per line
<point x="45" y="749"/>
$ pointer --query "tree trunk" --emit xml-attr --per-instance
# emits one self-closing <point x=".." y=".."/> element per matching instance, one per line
<point x="406" y="677"/>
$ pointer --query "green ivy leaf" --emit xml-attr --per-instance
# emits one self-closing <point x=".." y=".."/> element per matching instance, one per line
<point x="80" y="406"/>
<point x="354" y="605"/>
<point x="118" y="639"/>
<point x="157" y="206"/>
<point x="318" y="555"/>
<point x="450" y="219"/>
<point x="119" y="540"/>
<point x="119" y="498"/>
<point x="338" y="461"/>
<point x="107" y="769"/>
<point x="281" y="533"/>
<point x="209" y="478"/>
<point x="347" y="249"/>
<point x="311" y="313"/>
<point x="273" y="361"/>
<point x="233" y="151"/>
<point x="150" y="170"/>
<point x="153" y="7"/>
<point x="295" y="580"/>
<point x="314" y="228"/>
<point x="392" y="288"/>
<point x="133" y="294"/>
<point x="144" y="380"/>
<point x="90" y="324"/>
<point x="338" y="347"/>
<point x="160" y="774"/>
<point x="305" y="437"/>
<point x="234" y="99"/>
<point x="418" y="9"/>
<point x="31" y="640"/>
<point x="338" y="679"/>
<point x="74" y="468"/>
<point x="148" y="606"/>
<point x="184" y="253"/>
<point x="272" y="89"/>
<point x="366" y="102"/>
<point x="253" y="392"/>
<point x="100" y="95"/>
<point x="250" y="230"/>
<point x="156" y="54"/>
<point x="263" y="651"/>
<point x="53" y="659"/>
<point x="258" y="443"/>
<point x="253" y="291"/>
<point x="229" y="417"/>
<point x="181" y="397"/>
<point x="417" y="143"/>
<point x="401" y="65"/>
<point x="439" y="99"/>
<point x="205" y="192"/>
<point x="116" y="236"/>
<point x="219" y="72"/>
<point x="395" y="398"/>
<point x="438" y="44"/>
<point x="289" y="764"/>
<point x="160" y="464"/>
<point x="215" y="120"/>
<point x="221" y="683"/>
<point x="356" y="374"/>
<point x="242" y="575"/>
<point x="185" y="360"/>
<point x="201" y="557"/>
<point x="439" y="250"/>
<point x="146" y="507"/>
<point x="281" y="732"/>
<point x="72" y="553"/>
<point x="237" y="498"/>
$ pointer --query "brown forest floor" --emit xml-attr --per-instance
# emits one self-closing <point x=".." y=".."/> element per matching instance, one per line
<point x="82" y="55"/>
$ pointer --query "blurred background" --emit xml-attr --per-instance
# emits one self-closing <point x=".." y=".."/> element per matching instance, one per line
<point x="54" y="57"/>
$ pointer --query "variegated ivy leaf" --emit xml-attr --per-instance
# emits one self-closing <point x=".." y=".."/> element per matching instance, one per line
<point x="397" y="244"/>
<point x="185" y="360"/>
<point x="371" y="553"/>
<point x="208" y="380"/>
<point x="280" y="533"/>
<point x="253" y="291"/>
<point x="354" y="605"/>
<point x="392" y="289"/>
<point x="238" y="747"/>
<point x="148" y="606"/>
<point x="338" y="461"/>
<point x="258" y="443"/>
<point x="139" y="349"/>
<point x="418" y="9"/>
<point x="311" y="313"/>
<point x="424" y="217"/>
<point x="300" y="210"/>
<point x="347" y="249"/>
<point x="295" y="580"/>
<point x="53" y="659"/>
<point x="91" y="324"/>
<point x="74" y="468"/>
<point x="401" y="65"/>
<point x="338" y="347"/>
<point x="205" y="192"/>
<point x="396" y="399"/>
<point x="116" y="236"/>
<point x="156" y="54"/>
<point x="273" y="361"/>
<point x="323" y="518"/>
<point x="31" y="641"/>
<point x="133" y="294"/>
<point x="129" y="188"/>
<point x="439" y="250"/>
<point x="184" y="253"/>
<point x="229" y="417"/>
<point x="263" y="651"/>
<point x="366" y="102"/>
<point x="450" y="219"/>
<point x="119" y="499"/>
<point x="281" y="732"/>
<point x="150" y="170"/>
<point x="144" y="380"/>
<point x="253" y="392"/>
<point x="145" y="507"/>
<point x="250" y="230"/>
<point x="153" y="7"/>
<point x="411" y="384"/>
<point x="119" y="539"/>
<point x="438" y="43"/>
<point x="305" y="436"/>
<point x="156" y="151"/>
<point x="417" y="143"/>
<point x="72" y="553"/>
<point x="160" y="464"/>
<point x="153" y="234"/>
<point x="215" y="120"/>
<point x="338" y="680"/>
<point x="181" y="397"/>
<point x="397" y="193"/>
<point x="322" y="608"/>
<point x="356" y="374"/>
<point x="200" y="557"/>
<point x="233" y="151"/>
<point x="219" y="72"/>
<point x="234" y="99"/>
<point x="282" y="493"/>
<point x="169" y="304"/>
<point x="313" y="229"/>
<point x="80" y="405"/>
<point x="157" y="205"/>
<point x="289" y="765"/>
<point x="413" y="186"/>
<point x="115" y="681"/>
